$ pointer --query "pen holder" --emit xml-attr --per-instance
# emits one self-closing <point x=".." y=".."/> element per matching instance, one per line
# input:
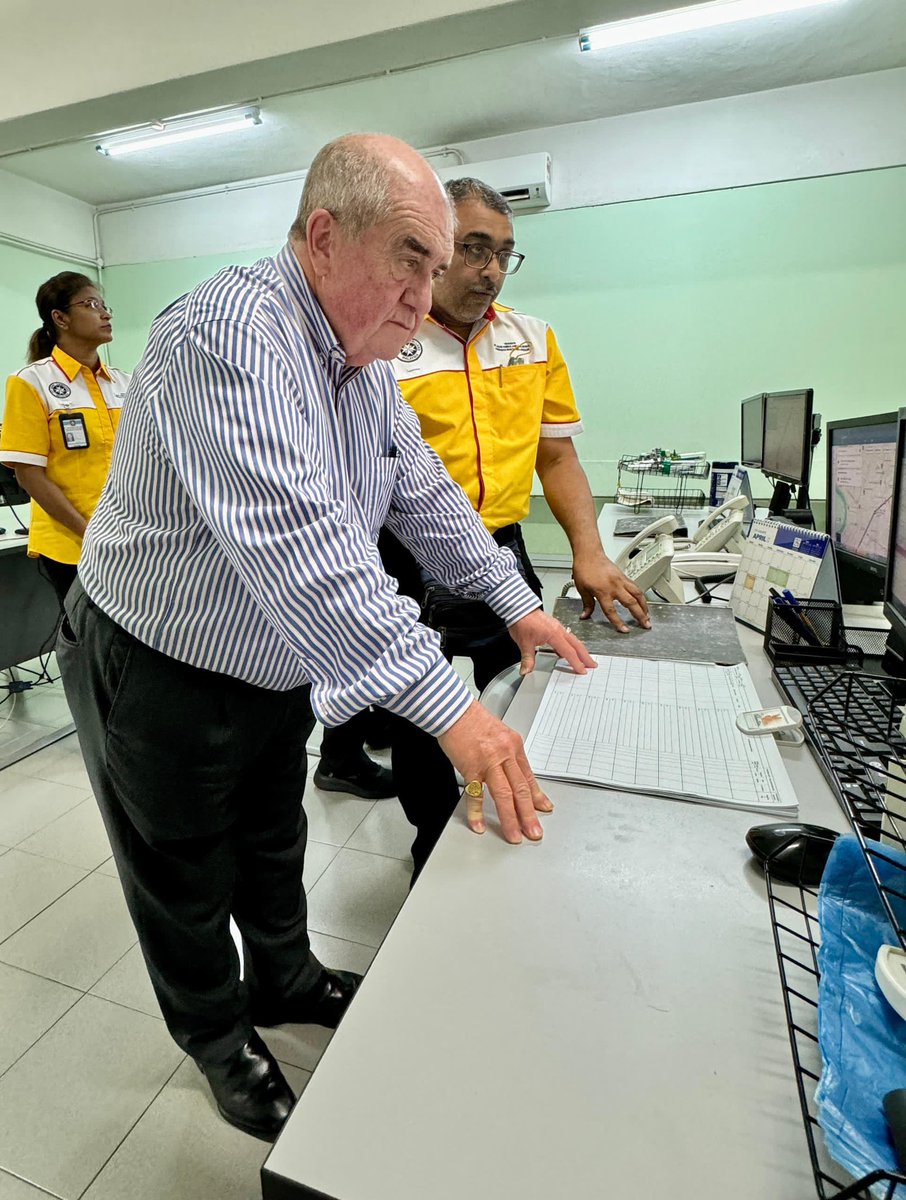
<point x="810" y="631"/>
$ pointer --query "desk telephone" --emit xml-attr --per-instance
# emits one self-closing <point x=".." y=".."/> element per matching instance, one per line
<point x="651" y="565"/>
<point x="714" y="549"/>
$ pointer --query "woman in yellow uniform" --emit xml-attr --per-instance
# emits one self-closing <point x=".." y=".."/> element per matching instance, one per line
<point x="61" y="413"/>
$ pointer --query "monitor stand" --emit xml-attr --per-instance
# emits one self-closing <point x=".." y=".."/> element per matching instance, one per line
<point x="779" y="508"/>
<point x="893" y="663"/>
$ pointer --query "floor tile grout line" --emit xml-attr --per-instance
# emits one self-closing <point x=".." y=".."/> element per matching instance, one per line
<point x="128" y="1007"/>
<point x="62" y="861"/>
<point x="128" y="1132"/>
<point x="89" y="795"/>
<point x="47" y="979"/>
<point x="325" y="933"/>
<point x="351" y="941"/>
<point x="373" y="853"/>
<point x="34" y="916"/>
<point x="114" y="964"/>
<point x="42" y="1190"/>
<point x="45" y="1032"/>
<point x="379" y="854"/>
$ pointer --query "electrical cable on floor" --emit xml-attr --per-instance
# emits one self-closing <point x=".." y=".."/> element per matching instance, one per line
<point x="10" y="698"/>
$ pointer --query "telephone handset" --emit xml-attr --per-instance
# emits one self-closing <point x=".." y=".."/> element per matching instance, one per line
<point x="717" y="544"/>
<point x="722" y="530"/>
<point x="651" y="565"/>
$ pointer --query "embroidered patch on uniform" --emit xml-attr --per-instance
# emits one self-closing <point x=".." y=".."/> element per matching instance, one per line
<point x="519" y="352"/>
<point x="60" y="390"/>
<point x="411" y="351"/>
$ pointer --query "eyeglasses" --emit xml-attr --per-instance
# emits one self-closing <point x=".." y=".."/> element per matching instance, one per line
<point x="94" y="304"/>
<point x="476" y="254"/>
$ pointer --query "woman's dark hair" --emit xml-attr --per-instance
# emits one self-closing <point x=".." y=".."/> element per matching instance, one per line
<point x="54" y="293"/>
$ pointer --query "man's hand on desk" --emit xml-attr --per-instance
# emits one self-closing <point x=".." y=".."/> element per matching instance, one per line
<point x="537" y="629"/>
<point x="597" y="578"/>
<point x="482" y="748"/>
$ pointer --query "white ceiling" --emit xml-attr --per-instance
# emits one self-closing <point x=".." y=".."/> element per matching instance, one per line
<point x="132" y="43"/>
<point x="497" y="91"/>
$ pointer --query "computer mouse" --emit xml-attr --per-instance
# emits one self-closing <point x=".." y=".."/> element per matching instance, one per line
<point x="798" y="853"/>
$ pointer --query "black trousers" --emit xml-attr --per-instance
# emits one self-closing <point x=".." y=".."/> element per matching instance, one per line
<point x="199" y="778"/>
<point x="342" y="745"/>
<point x="424" y="777"/>
<point x="59" y="575"/>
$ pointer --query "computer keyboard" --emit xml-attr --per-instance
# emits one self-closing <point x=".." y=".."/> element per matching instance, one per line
<point x="852" y="723"/>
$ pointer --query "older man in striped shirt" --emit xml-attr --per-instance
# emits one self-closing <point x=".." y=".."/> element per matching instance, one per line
<point x="230" y="591"/>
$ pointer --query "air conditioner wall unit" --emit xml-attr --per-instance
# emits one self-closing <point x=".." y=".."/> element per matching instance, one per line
<point x="524" y="180"/>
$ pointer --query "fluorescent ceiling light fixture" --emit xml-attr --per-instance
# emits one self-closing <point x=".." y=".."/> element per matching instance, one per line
<point x="180" y="129"/>
<point x="682" y="20"/>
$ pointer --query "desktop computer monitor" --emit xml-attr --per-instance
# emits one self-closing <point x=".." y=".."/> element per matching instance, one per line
<point x="752" y="438"/>
<point x="895" y="583"/>
<point x="861" y="455"/>
<point x="787" y="453"/>
<point x="788" y="436"/>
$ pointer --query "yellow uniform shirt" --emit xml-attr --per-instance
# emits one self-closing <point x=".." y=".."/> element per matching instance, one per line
<point x="36" y="398"/>
<point x="484" y="404"/>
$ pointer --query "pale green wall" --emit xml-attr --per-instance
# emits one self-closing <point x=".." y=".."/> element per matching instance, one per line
<point x="671" y="311"/>
<point x="21" y="274"/>
<point x="138" y="293"/>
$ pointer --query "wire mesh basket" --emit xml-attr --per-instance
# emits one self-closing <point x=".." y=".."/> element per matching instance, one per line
<point x="661" y="480"/>
<point x="794" y="923"/>
<point x="814" y="631"/>
<point x="854" y="726"/>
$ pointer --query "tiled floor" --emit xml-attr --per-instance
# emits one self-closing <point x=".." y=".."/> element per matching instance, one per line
<point x="31" y="718"/>
<point x="95" y="1100"/>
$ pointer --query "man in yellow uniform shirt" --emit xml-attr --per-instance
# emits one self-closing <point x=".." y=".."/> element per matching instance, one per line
<point x="493" y="397"/>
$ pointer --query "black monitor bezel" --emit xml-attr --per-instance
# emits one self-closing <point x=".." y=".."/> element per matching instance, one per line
<point x="802" y="479"/>
<point x="871" y="565"/>
<point x="743" y="461"/>
<point x="894" y="615"/>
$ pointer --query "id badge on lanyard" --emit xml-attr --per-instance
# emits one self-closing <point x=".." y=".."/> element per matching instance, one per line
<point x="75" y="435"/>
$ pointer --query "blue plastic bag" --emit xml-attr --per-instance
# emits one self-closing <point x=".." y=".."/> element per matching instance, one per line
<point x="863" y="1041"/>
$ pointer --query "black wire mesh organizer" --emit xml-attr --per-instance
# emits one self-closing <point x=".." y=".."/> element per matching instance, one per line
<point x="853" y="727"/>
<point x="794" y="924"/>
<point x="852" y="721"/>
<point x="812" y="631"/>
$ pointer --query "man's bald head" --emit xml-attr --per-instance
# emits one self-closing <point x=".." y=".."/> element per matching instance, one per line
<point x="359" y="178"/>
<point x="373" y="232"/>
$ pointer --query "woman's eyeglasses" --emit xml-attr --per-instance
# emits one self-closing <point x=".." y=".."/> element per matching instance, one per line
<point x="94" y="304"/>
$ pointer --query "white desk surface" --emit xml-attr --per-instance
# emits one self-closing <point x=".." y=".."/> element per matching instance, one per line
<point x="598" y="1015"/>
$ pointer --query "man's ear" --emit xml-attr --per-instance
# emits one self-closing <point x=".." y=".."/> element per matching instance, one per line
<point x="320" y="237"/>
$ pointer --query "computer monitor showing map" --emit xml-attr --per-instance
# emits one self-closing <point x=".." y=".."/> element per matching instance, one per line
<point x="861" y="457"/>
<point x="752" y="440"/>
<point x="895" y="584"/>
<point x="788" y="436"/>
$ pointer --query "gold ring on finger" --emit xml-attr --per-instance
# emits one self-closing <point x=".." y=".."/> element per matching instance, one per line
<point x="475" y="788"/>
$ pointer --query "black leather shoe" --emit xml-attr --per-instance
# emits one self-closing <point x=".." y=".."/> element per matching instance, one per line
<point x="250" y="1090"/>
<point x="323" y="1005"/>
<point x="366" y="779"/>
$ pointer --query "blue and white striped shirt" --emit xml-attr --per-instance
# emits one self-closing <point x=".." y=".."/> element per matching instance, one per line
<point x="251" y="474"/>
